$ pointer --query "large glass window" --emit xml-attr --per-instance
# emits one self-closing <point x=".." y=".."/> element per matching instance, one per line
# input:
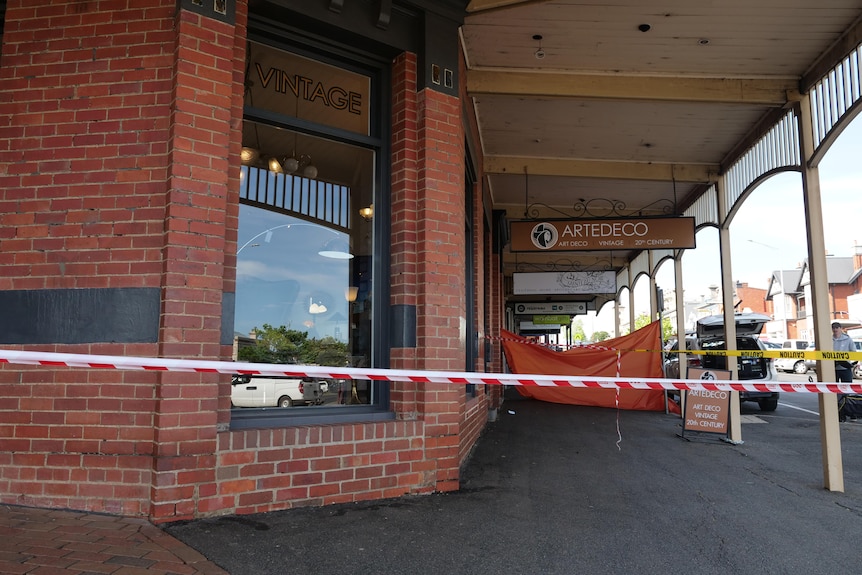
<point x="305" y="245"/>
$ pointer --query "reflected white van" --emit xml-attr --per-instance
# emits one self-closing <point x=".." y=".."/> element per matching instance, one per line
<point x="252" y="391"/>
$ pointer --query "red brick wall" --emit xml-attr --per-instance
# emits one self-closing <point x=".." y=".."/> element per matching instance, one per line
<point x="404" y="397"/>
<point x="838" y="294"/>
<point x="264" y="470"/>
<point x="193" y="272"/>
<point x="440" y="288"/>
<point x="82" y="205"/>
<point x="752" y="298"/>
<point x="120" y="168"/>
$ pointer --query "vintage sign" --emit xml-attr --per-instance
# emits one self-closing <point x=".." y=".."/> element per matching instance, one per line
<point x="621" y="234"/>
<point x="706" y="410"/>
<point x="289" y="84"/>
<point x="569" y="307"/>
<point x="568" y="283"/>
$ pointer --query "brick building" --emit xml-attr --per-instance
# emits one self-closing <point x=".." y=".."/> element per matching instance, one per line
<point x="187" y="179"/>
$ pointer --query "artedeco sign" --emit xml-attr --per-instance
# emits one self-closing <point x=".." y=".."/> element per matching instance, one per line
<point x="624" y="234"/>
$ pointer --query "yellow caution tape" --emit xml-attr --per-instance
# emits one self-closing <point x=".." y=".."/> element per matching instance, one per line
<point x="778" y="354"/>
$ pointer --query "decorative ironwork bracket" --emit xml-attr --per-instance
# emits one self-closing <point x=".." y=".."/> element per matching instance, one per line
<point x="599" y="208"/>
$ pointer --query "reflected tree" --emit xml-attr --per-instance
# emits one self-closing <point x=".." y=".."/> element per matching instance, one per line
<point x="288" y="346"/>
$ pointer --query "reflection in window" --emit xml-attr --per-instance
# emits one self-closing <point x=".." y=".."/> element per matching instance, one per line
<point x="305" y="239"/>
<point x="303" y="293"/>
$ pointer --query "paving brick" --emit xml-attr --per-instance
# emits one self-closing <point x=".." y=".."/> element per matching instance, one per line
<point x="51" y="542"/>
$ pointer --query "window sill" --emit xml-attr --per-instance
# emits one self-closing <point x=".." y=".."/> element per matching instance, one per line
<point x="274" y="417"/>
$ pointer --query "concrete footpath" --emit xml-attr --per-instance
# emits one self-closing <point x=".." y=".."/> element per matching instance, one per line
<point x="559" y="489"/>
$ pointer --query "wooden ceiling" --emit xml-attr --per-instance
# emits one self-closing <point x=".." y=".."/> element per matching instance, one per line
<point x="637" y="104"/>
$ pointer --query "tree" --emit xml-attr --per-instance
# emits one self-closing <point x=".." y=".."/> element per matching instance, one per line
<point x="274" y="345"/>
<point x="600" y="336"/>
<point x="667" y="330"/>
<point x="283" y="345"/>
<point x="326" y="351"/>
<point x="578" y="331"/>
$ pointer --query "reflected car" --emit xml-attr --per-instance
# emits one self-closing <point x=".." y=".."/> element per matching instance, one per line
<point x="250" y="391"/>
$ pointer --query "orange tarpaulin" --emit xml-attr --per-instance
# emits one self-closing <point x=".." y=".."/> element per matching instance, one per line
<point x="525" y="357"/>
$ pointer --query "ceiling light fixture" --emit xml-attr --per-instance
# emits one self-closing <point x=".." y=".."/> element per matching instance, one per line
<point x="292" y="166"/>
<point x="350" y="293"/>
<point x="249" y="155"/>
<point x="315" y="308"/>
<point x="539" y="53"/>
<point x="336" y="249"/>
<point x="275" y="166"/>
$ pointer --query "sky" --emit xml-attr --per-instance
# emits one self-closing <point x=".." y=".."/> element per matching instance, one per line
<point x="283" y="279"/>
<point x="768" y="232"/>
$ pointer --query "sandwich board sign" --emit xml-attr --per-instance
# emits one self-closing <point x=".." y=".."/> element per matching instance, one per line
<point x="706" y="410"/>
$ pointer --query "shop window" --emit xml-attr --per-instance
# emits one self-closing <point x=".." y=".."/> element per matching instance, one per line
<point x="305" y="242"/>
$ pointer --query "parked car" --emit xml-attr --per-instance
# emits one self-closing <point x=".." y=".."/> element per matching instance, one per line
<point x="710" y="336"/>
<point x="251" y="391"/>
<point x="671" y="358"/>
<point x="794" y="364"/>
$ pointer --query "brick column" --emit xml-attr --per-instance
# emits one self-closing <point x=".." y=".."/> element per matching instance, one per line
<point x="404" y="231"/>
<point x="193" y="258"/>
<point x="440" y="287"/>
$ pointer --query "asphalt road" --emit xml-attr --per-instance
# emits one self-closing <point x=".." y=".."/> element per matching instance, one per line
<point x="561" y="489"/>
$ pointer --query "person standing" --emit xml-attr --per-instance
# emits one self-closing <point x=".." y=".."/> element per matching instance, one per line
<point x="842" y="342"/>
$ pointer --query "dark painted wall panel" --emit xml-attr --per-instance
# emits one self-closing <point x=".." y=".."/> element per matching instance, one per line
<point x="120" y="315"/>
<point x="402" y="325"/>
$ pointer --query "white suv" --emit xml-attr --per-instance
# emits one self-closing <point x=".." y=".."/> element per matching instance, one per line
<point x="710" y="336"/>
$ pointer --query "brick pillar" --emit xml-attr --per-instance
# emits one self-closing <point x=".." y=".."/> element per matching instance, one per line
<point x="497" y="313"/>
<point x="404" y="232"/>
<point x="440" y="267"/>
<point x="193" y="259"/>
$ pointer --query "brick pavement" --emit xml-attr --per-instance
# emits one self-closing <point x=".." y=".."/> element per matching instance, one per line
<point x="46" y="541"/>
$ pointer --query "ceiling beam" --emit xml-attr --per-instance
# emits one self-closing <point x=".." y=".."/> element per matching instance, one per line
<point x="847" y="43"/>
<point x="759" y="91"/>
<point x="702" y="173"/>
<point x="484" y="5"/>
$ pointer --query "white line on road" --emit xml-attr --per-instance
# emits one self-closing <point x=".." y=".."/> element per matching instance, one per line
<point x="799" y="408"/>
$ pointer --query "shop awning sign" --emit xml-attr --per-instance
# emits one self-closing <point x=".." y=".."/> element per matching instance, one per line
<point x="551" y="319"/>
<point x="559" y="307"/>
<point x="564" y="283"/>
<point x="619" y="234"/>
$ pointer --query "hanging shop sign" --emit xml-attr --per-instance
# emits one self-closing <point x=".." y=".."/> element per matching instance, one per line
<point x="622" y="234"/>
<point x="551" y="319"/>
<point x="569" y="307"/>
<point x="533" y="328"/>
<point x="564" y="283"/>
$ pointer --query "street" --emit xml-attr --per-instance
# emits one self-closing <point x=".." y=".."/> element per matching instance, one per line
<point x="791" y="405"/>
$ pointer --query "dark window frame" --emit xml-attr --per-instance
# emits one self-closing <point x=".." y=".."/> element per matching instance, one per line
<point x="377" y="67"/>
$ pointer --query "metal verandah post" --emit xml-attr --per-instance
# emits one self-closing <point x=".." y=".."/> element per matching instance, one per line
<point x="830" y="436"/>
<point x="729" y="310"/>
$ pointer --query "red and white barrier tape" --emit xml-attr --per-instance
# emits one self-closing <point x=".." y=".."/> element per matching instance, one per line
<point x="48" y="359"/>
